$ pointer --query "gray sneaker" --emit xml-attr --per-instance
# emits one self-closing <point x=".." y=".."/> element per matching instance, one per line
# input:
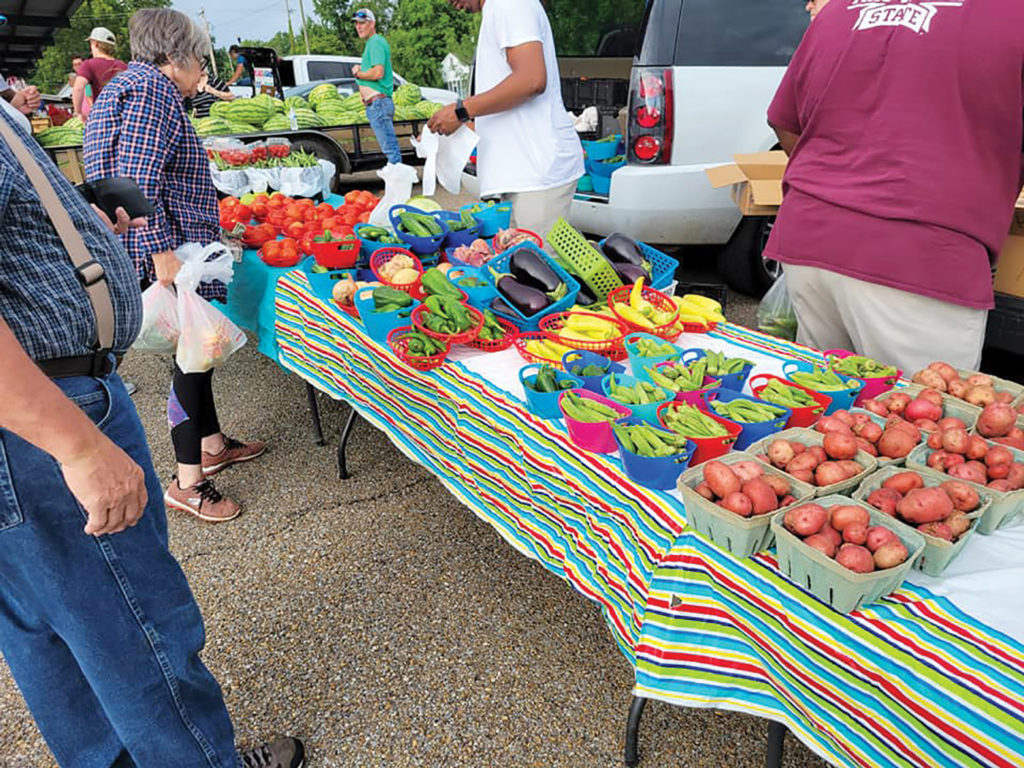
<point x="283" y="753"/>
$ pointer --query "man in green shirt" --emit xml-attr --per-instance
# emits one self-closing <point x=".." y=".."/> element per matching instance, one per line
<point x="377" y="84"/>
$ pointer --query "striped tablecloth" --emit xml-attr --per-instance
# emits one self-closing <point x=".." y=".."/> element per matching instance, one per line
<point x="909" y="681"/>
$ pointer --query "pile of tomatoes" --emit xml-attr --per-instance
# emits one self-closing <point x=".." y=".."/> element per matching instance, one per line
<point x="298" y="220"/>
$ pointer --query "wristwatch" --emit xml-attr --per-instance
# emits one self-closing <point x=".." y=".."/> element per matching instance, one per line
<point x="461" y="112"/>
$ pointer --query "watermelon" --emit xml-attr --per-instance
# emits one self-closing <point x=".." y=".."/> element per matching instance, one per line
<point x="220" y="109"/>
<point x="426" y="109"/>
<point x="321" y="92"/>
<point x="307" y="118"/>
<point x="237" y="127"/>
<point x="295" y="102"/>
<point x="407" y="95"/>
<point x="254" y="111"/>
<point x="60" y="136"/>
<point x="212" y="126"/>
<point x="277" y="122"/>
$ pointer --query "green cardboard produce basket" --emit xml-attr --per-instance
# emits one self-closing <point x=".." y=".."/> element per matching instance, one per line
<point x="812" y="437"/>
<point x="740" y="536"/>
<point x="938" y="553"/>
<point x="951" y="407"/>
<point x="827" y="580"/>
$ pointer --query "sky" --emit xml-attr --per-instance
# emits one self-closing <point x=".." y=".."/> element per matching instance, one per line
<point x="248" y="19"/>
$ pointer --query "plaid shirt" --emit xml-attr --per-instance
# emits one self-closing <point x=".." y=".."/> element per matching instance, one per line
<point x="41" y="298"/>
<point x="138" y="128"/>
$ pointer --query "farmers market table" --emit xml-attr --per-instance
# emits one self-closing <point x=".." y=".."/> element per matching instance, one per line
<point x="912" y="680"/>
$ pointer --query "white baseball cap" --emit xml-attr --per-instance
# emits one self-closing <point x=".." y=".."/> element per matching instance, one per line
<point x="102" y="35"/>
<point x="364" y="14"/>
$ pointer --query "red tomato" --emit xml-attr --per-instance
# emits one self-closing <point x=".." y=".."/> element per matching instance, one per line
<point x="306" y="244"/>
<point x="295" y="229"/>
<point x="230" y="202"/>
<point x="228" y="221"/>
<point x="333" y="223"/>
<point x="293" y="211"/>
<point x="305" y="202"/>
<point x="325" y="209"/>
<point x="272" y="249"/>
<point x="276" y="201"/>
<point x="309" y="214"/>
<point x="242" y="212"/>
<point x="260" y="210"/>
<point x="352" y="196"/>
<point x="364" y="217"/>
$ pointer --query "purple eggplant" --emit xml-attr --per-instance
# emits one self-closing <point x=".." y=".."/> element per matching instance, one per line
<point x="622" y="249"/>
<point x="630" y="273"/>
<point x="528" y="300"/>
<point x="498" y="304"/>
<point x="529" y="268"/>
<point x="585" y="298"/>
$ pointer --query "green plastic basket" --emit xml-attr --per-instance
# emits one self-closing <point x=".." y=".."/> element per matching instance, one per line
<point x="811" y="437"/>
<point x="951" y="407"/>
<point x="1006" y="505"/>
<point x="580" y="257"/>
<point x="938" y="553"/>
<point x="741" y="536"/>
<point x="830" y="582"/>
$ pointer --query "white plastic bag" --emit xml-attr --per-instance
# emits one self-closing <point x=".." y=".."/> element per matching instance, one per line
<point x="263" y="179"/>
<point x="207" y="337"/>
<point x="398" y="181"/>
<point x="234" y="183"/>
<point x="160" y="328"/>
<point x="327" y="170"/>
<point x="446" y="158"/>
<point x="775" y="314"/>
<point x="302" y="182"/>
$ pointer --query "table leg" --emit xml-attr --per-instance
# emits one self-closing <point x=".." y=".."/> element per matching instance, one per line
<point x="343" y="442"/>
<point x="776" y="739"/>
<point x="314" y="411"/>
<point x="636" y="710"/>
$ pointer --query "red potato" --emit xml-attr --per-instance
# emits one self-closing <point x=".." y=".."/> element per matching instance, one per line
<point x="803" y="475"/>
<point x="747" y="470"/>
<point x="977" y="448"/>
<point x="846" y="417"/>
<point x="875" y="407"/>
<point x="829" y="473"/>
<point x="805" y="461"/>
<point x="897" y="402"/>
<point x="855" y="558"/>
<point x="958" y="524"/>
<point x="1016" y="476"/>
<point x="885" y="500"/>
<point x="890" y="555"/>
<point x="971" y="471"/>
<point x="958" y="388"/>
<point x="1001" y="485"/>
<point x="950" y="422"/>
<point x="955" y="440"/>
<point x="998" y="454"/>
<point x="935" y="439"/>
<point x="855" y="534"/>
<point x="832" y="535"/>
<point x="786" y="500"/>
<point x="930" y="378"/>
<point x="806" y="519"/>
<point x="999" y="471"/>
<point x="879" y="536"/>
<point x="932" y="395"/>
<point x="981" y="396"/>
<point x="980" y="380"/>
<point x="938" y="530"/>
<point x="938" y="460"/>
<point x="739" y="503"/>
<point x="895" y="422"/>
<point x="869" y="430"/>
<point x="839" y="446"/>
<point x="721" y="479"/>
<point x="798" y="448"/>
<point x="922" y="408"/>
<point x="904" y="482"/>
<point x="925" y="505"/>
<point x="780" y="486"/>
<point x="822" y="543"/>
<point x="926" y="425"/>
<point x="996" y="420"/>
<point x="1013" y="442"/>
<point x="850" y="467"/>
<point x="705" y="490"/>
<point x="1016" y="433"/>
<point x="828" y="424"/>
<point x="945" y="370"/>
<point x="858" y="418"/>
<point x="868" y="447"/>
<point x="818" y="452"/>
<point x="844" y="515"/>
<point x="780" y="453"/>
<point x="1004" y="397"/>
<point x="964" y="498"/>
<point x="896" y="444"/>
<point x="761" y="496"/>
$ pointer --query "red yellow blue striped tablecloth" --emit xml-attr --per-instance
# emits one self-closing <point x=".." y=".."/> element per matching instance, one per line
<point x="908" y="681"/>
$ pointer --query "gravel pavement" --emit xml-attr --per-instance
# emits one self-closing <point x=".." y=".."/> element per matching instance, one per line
<point x="382" y="622"/>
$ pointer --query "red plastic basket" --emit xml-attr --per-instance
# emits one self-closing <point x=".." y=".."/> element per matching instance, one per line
<point x="552" y="324"/>
<point x="352" y="310"/>
<point x="337" y="255"/>
<point x="522" y="339"/>
<point x="537" y="239"/>
<point x="695" y="328"/>
<point x="455" y="338"/>
<point x="383" y="255"/>
<point x="400" y="346"/>
<point x="802" y="417"/>
<point x="707" y="447"/>
<point x="499" y="344"/>
<point x="658" y="299"/>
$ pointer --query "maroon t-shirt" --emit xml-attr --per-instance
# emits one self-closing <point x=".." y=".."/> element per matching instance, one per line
<point x="99" y="72"/>
<point x="911" y="125"/>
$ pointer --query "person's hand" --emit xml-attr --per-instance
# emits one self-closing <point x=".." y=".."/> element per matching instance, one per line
<point x="26" y="100"/>
<point x="123" y="223"/>
<point x="110" y="487"/>
<point x="444" y="122"/>
<point x="356" y="69"/>
<point x="166" y="265"/>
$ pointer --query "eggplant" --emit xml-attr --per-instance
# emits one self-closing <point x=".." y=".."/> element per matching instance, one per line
<point x="529" y="268"/>
<point x="498" y="304"/>
<point x="585" y="298"/>
<point x="622" y="249"/>
<point x="630" y="273"/>
<point x="527" y="299"/>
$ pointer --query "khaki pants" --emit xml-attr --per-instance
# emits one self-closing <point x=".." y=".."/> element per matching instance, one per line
<point x="538" y="211"/>
<point x="887" y="324"/>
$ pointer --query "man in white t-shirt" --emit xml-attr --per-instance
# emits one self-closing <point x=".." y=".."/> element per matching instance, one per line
<point x="529" y="151"/>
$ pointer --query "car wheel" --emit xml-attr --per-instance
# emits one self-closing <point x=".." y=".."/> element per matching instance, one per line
<point x="740" y="264"/>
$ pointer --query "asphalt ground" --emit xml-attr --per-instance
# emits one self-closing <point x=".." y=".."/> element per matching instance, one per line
<point x="382" y="622"/>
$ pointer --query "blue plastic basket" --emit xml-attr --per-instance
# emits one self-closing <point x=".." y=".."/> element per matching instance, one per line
<point x="734" y="381"/>
<point x="751" y="432"/>
<point x="661" y="472"/>
<point x="322" y="283"/>
<point x="598" y="169"/>
<point x="638" y="363"/>
<point x="649" y="412"/>
<point x="602" y="150"/>
<point x="456" y="238"/>
<point x="842" y="399"/>
<point x="602" y="185"/>
<point x="500" y="264"/>
<point x="663" y="266"/>
<point x="480" y="296"/>
<point x="492" y="218"/>
<point x="585" y="184"/>
<point x="453" y="259"/>
<point x="368" y="247"/>
<point x="585" y="358"/>
<point x="545" y="404"/>
<point x="379" y="324"/>
<point x="418" y="245"/>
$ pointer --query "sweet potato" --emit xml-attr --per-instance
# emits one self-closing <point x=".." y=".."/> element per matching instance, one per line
<point x="964" y="498"/>
<point x="806" y="519"/>
<point x="829" y="473"/>
<point x="855" y="534"/>
<point x="977" y="448"/>
<point x="922" y="408"/>
<point x="738" y="503"/>
<point x="930" y="378"/>
<point x="822" y="543"/>
<point x="879" y="536"/>
<point x="839" y="446"/>
<point x="896" y="444"/>
<point x="897" y="402"/>
<point x="780" y="486"/>
<point x="805" y="461"/>
<point x="996" y="420"/>
<point x="780" y="453"/>
<point x="705" y="490"/>
<point x="885" y="500"/>
<point x="721" y="479"/>
<point x="890" y="555"/>
<point x="971" y="471"/>
<point x="904" y="482"/>
<point x="747" y="470"/>
<point x="938" y="530"/>
<point x="958" y="523"/>
<point x="955" y="440"/>
<point x="855" y="558"/>
<point x="761" y="496"/>
<point x="868" y="447"/>
<point x="843" y="515"/>
<point x="925" y="505"/>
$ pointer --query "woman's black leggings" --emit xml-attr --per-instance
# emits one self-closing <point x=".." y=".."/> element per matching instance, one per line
<point x="191" y="414"/>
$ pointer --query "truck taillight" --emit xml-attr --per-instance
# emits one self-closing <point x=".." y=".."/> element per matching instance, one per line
<point x="649" y="129"/>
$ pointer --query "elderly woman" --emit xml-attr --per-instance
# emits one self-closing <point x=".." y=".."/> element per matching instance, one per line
<point x="138" y="128"/>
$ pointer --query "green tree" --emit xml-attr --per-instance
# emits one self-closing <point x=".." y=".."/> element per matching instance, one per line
<point x="579" y="28"/>
<point x="52" y="69"/>
<point x="336" y="15"/>
<point x="423" y="32"/>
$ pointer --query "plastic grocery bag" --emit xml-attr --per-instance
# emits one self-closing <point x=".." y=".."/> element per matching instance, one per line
<point x="446" y="158"/>
<point x="207" y="337"/>
<point x="302" y="182"/>
<point x="263" y="179"/>
<point x="160" y="327"/>
<point x="398" y="181"/>
<point x="234" y="183"/>
<point x="327" y="171"/>
<point x="775" y="314"/>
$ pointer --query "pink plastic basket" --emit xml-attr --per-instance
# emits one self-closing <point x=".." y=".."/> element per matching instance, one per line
<point x="596" y="438"/>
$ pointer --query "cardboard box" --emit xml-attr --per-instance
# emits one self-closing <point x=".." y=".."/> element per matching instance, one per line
<point x="70" y="163"/>
<point x="1010" y="269"/>
<point x="756" y="181"/>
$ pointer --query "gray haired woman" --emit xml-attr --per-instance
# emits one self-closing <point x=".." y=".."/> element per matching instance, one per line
<point x="138" y="128"/>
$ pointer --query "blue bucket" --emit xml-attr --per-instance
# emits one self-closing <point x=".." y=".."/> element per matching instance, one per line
<point x="649" y="412"/>
<point x="460" y="237"/>
<point x="734" y="381"/>
<point x="661" y="472"/>
<point x="637" y="363"/>
<point x="545" y="404"/>
<point x="584" y="358"/>
<point x="751" y="432"/>
<point x="379" y="324"/>
<point x="492" y="218"/>
<point x="418" y="245"/>
<point x="842" y="399"/>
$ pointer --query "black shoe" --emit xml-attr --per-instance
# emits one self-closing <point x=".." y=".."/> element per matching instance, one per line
<point x="283" y="753"/>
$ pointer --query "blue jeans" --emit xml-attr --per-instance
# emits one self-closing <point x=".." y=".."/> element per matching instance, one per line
<point x="381" y="114"/>
<point x="102" y="634"/>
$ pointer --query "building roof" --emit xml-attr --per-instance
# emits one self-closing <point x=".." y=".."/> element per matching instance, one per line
<point x="29" y="29"/>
